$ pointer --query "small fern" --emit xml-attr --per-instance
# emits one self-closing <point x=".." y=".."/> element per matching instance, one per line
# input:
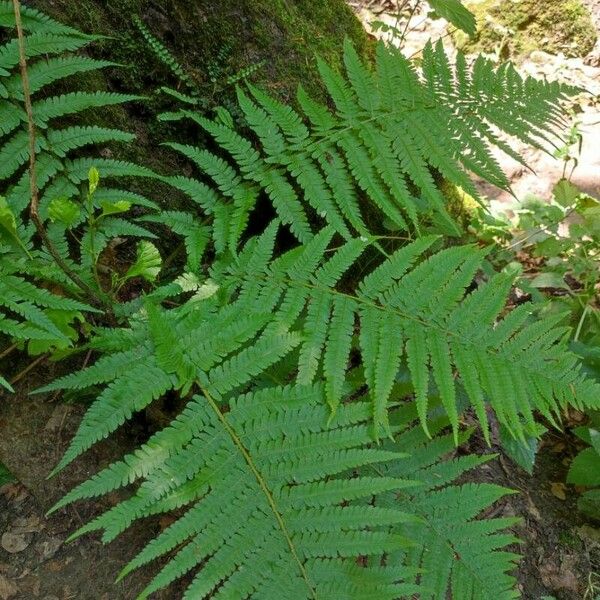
<point x="218" y="73"/>
<point x="164" y="55"/>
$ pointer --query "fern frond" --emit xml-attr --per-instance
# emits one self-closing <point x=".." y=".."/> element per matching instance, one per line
<point x="392" y="131"/>
<point x="62" y="141"/>
<point x="75" y="102"/>
<point x="459" y="555"/>
<point x="440" y="329"/>
<point x="279" y="505"/>
<point x="33" y="20"/>
<point x="163" y="54"/>
<point x="39" y="44"/>
<point x="43" y="73"/>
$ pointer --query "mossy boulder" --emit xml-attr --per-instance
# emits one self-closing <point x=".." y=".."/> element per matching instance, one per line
<point x="285" y="35"/>
<point x="204" y="36"/>
<point x="515" y="28"/>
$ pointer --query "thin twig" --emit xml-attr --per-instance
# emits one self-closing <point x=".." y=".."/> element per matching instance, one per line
<point x="28" y="368"/>
<point x="6" y="352"/>
<point x="33" y="207"/>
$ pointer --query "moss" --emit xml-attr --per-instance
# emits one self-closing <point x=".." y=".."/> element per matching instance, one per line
<point x="285" y="34"/>
<point x="514" y="28"/>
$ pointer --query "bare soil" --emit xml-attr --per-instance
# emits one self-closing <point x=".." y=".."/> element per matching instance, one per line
<point x="35" y="560"/>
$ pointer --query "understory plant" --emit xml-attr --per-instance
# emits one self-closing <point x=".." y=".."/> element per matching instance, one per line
<point x="326" y="332"/>
<point x="585" y="468"/>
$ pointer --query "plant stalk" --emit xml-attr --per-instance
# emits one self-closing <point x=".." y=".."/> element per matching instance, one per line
<point x="92" y="296"/>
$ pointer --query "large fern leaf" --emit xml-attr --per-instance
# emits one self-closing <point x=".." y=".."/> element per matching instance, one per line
<point x="265" y="488"/>
<point x="419" y="308"/>
<point x="393" y="129"/>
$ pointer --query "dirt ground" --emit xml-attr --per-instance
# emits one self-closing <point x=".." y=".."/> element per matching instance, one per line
<point x="35" y="561"/>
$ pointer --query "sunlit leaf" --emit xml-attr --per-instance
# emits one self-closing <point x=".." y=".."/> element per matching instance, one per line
<point x="148" y="262"/>
<point x="64" y="210"/>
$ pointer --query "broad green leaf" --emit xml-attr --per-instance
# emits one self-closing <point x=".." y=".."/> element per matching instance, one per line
<point x="456" y="13"/>
<point x="113" y="208"/>
<point x="565" y="193"/>
<point x="148" y="262"/>
<point x="585" y="468"/>
<point x="589" y="504"/>
<point x="64" y="210"/>
<point x="549" y="280"/>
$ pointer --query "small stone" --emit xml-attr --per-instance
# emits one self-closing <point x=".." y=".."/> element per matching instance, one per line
<point x="14" y="542"/>
<point x="7" y="589"/>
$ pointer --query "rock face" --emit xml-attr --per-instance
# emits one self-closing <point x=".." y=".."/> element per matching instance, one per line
<point x="514" y="28"/>
<point x="211" y="39"/>
<point x="208" y="34"/>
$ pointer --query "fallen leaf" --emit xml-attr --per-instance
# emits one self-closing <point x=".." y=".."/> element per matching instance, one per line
<point x="533" y="509"/>
<point x="560" y="577"/>
<point x="58" y="417"/>
<point x="31" y="524"/>
<point x="14" y="542"/>
<point x="588" y="533"/>
<point x="7" y="588"/>
<point x="49" y="547"/>
<point x="559" y="489"/>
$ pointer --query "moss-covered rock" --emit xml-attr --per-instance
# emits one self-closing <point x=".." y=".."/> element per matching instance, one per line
<point x="285" y="34"/>
<point x="514" y="28"/>
<point x="204" y="35"/>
